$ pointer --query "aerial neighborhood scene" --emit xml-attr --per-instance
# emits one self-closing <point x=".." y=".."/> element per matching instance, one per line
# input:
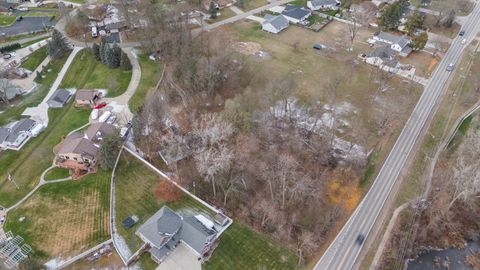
<point x="240" y="134"/>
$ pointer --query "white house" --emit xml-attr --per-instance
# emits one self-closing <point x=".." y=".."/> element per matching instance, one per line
<point x="274" y="24"/>
<point x="397" y="43"/>
<point x="323" y="4"/>
<point x="296" y="13"/>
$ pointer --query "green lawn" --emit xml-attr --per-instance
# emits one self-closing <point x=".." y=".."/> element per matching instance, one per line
<point x="57" y="173"/>
<point x="64" y="218"/>
<point x="151" y="72"/>
<point x="86" y="72"/>
<point x="37" y="155"/>
<point x="32" y="61"/>
<point x="33" y="99"/>
<point x="315" y="19"/>
<point x="242" y="248"/>
<point x="6" y="19"/>
<point x="135" y="187"/>
<point x="33" y="13"/>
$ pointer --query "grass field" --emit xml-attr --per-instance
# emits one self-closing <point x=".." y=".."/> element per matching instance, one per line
<point x="37" y="155"/>
<point x="151" y="72"/>
<point x="6" y="19"/>
<point x="35" y="59"/>
<point x="242" y="248"/>
<point x="56" y="173"/>
<point x="33" y="99"/>
<point x="63" y="219"/>
<point x="134" y="195"/>
<point x="319" y="81"/>
<point x="86" y="72"/>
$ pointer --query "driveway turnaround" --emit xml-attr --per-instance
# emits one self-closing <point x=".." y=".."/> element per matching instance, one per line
<point x="27" y="25"/>
<point x="344" y="250"/>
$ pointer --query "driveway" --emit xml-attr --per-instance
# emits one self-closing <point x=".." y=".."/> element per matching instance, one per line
<point x="182" y="258"/>
<point x="40" y="113"/>
<point x="27" y="25"/>
<point x="119" y="104"/>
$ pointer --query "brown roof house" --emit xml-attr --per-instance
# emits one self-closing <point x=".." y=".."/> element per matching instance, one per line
<point x="79" y="151"/>
<point x="86" y="97"/>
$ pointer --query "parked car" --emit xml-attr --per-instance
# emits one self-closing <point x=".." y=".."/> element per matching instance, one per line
<point x="94" y="114"/>
<point x="464" y="41"/>
<point x="450" y="67"/>
<point x="19" y="18"/>
<point x="101" y="105"/>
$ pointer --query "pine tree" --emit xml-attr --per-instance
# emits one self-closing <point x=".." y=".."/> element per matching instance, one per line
<point x="96" y="51"/>
<point x="125" y="62"/>
<point x="116" y="55"/>
<point x="101" y="51"/>
<point x="213" y="10"/>
<point x="57" y="46"/>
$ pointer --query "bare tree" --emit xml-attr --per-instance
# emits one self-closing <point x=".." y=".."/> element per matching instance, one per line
<point x="305" y="245"/>
<point x="466" y="173"/>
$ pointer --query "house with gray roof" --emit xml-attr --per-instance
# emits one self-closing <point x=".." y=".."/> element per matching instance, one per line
<point x="397" y="43"/>
<point x="16" y="133"/>
<point x="9" y="91"/>
<point x="59" y="98"/>
<point x="323" y="4"/>
<point x="296" y="13"/>
<point x="167" y="228"/>
<point x="382" y="56"/>
<point x="274" y="24"/>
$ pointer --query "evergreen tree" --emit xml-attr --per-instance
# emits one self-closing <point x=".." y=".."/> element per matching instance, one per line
<point x="108" y="55"/>
<point x="414" y="21"/>
<point x="212" y="10"/>
<point x="125" y="62"/>
<point x="101" y="51"/>
<point x="96" y="51"/>
<point x="57" y="46"/>
<point x="392" y="13"/>
<point x="116" y="55"/>
<point x="419" y="42"/>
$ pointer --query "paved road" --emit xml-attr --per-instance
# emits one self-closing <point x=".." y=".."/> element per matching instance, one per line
<point x="27" y="25"/>
<point x="343" y="251"/>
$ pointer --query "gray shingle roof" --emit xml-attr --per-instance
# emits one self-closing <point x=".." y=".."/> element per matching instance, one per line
<point x="278" y="22"/>
<point x="295" y="11"/>
<point x="4" y="132"/>
<point x="61" y="96"/>
<point x="393" y="39"/>
<point x="22" y="125"/>
<point x="195" y="234"/>
<point x="325" y="2"/>
<point x="159" y="228"/>
<point x="382" y="52"/>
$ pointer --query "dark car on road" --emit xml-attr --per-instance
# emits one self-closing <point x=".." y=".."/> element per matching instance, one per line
<point x="462" y="33"/>
<point x="360" y="239"/>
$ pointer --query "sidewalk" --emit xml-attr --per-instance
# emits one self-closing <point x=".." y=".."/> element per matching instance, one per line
<point x="40" y="113"/>
<point x="238" y="11"/>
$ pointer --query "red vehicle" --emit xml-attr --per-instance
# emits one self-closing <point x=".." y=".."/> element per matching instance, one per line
<point x="101" y="105"/>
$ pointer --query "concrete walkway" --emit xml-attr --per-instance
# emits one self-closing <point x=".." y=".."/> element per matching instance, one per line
<point x="40" y="113"/>
<point x="22" y="53"/>
<point x="238" y="11"/>
<point x="120" y="103"/>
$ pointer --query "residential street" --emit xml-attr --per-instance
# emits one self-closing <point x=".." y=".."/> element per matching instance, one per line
<point x="344" y="250"/>
<point x="27" y="25"/>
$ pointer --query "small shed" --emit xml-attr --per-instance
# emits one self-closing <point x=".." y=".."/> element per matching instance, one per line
<point x="59" y="98"/>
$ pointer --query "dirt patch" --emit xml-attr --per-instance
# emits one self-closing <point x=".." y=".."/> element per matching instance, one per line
<point x="247" y="48"/>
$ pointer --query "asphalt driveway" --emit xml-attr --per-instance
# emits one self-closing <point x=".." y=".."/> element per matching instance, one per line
<point x="27" y="25"/>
